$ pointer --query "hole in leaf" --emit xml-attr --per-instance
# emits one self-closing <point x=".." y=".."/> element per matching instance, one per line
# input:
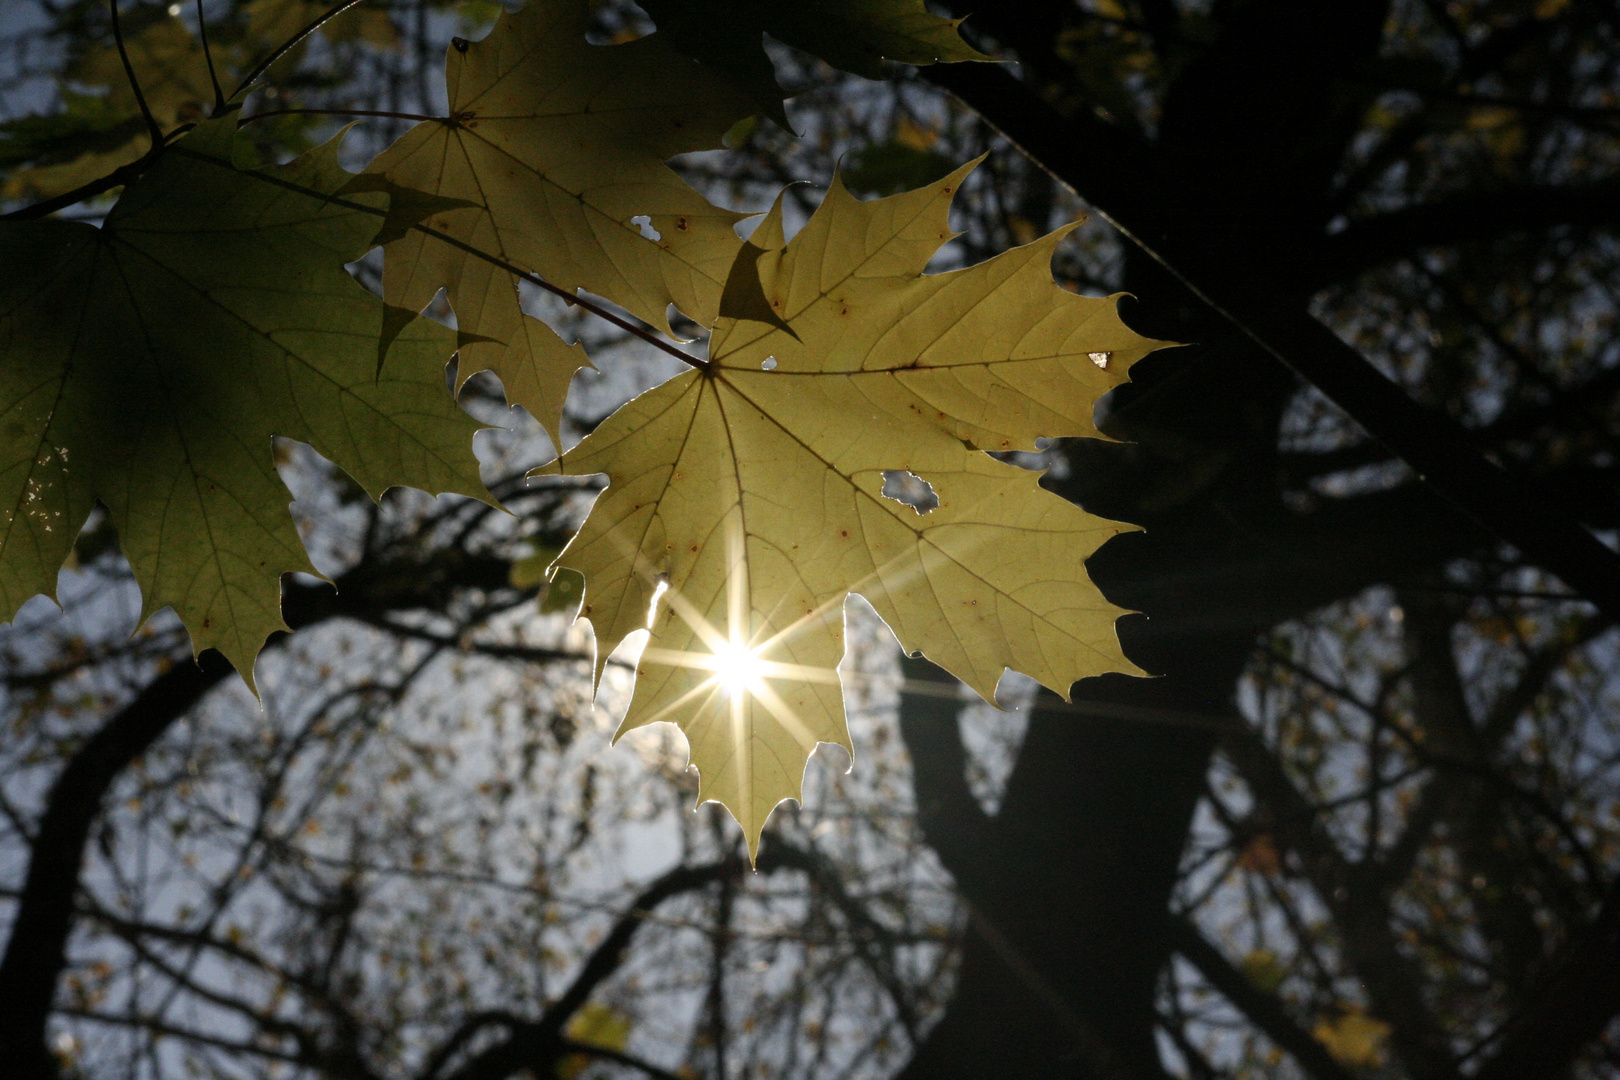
<point x="909" y="488"/>
<point x="644" y="223"/>
<point x="770" y="365"/>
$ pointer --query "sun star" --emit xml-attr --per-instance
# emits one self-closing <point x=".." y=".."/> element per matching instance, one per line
<point x="737" y="668"/>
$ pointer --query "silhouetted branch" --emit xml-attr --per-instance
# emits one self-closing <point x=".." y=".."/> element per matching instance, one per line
<point x="35" y="951"/>
<point x="1568" y="1008"/>
<point x="1091" y="157"/>
<point x="537" y="1044"/>
<point x="1357" y="900"/>
<point x="1463" y="219"/>
<point x="1264" y="1009"/>
<point x="872" y="938"/>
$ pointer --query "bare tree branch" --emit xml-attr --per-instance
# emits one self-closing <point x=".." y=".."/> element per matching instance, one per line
<point x="1264" y="1009"/>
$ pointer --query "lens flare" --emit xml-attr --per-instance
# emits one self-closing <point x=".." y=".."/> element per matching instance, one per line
<point x="738" y="669"/>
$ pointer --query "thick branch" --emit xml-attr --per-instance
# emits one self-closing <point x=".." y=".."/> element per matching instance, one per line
<point x="951" y="819"/>
<point x="1084" y="153"/>
<point x="36" y="949"/>
<point x="536" y="1045"/>
<point x="1569" y="1008"/>
<point x="1464" y="219"/>
<point x="1459" y="768"/>
<point x="35" y="953"/>
<point x="1359" y="905"/>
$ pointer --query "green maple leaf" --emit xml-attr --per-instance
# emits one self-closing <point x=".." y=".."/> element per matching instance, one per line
<point x="750" y="492"/>
<point x="555" y="148"/>
<point x="865" y="37"/>
<point x="149" y="363"/>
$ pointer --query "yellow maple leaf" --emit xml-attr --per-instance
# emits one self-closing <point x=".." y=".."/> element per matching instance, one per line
<point x="748" y="495"/>
<point x="556" y="149"/>
<point x="594" y="1024"/>
<point x="1354" y="1039"/>
<point x="1263" y="970"/>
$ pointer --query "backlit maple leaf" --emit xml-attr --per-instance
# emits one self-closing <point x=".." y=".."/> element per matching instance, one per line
<point x="747" y="496"/>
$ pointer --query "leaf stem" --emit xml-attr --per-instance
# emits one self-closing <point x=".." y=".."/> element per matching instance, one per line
<point x="338" y="112"/>
<point x="119" y="176"/>
<point x="208" y="55"/>
<point x="573" y="299"/>
<point x="129" y="72"/>
<point x="128" y="172"/>
<point x="287" y="46"/>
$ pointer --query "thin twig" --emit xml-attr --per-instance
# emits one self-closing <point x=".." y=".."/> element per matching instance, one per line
<point x="287" y="46"/>
<point x="461" y="245"/>
<point x="384" y="113"/>
<point x="118" y="177"/>
<point x="571" y="298"/>
<point x="208" y="55"/>
<point x="129" y="72"/>
<point x="128" y="172"/>
<point x="125" y="173"/>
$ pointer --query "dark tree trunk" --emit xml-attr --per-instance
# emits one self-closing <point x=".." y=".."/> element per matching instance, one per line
<point x="36" y="948"/>
<point x="1069" y="884"/>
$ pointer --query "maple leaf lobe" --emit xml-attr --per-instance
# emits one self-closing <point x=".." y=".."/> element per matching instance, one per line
<point x="555" y="148"/>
